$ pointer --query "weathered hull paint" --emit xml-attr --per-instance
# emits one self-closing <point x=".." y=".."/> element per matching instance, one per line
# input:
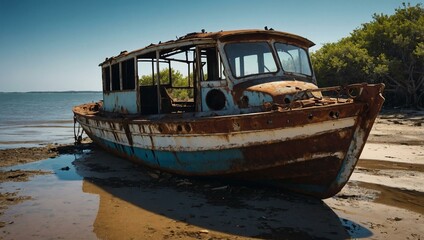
<point x="214" y="141"/>
<point x="310" y="150"/>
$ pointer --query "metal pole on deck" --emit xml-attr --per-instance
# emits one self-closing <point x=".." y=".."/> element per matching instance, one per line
<point x="158" y="81"/>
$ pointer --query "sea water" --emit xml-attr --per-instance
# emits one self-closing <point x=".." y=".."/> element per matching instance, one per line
<point x="39" y="118"/>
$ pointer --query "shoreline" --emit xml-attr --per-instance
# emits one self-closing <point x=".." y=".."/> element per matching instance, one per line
<point x="16" y="156"/>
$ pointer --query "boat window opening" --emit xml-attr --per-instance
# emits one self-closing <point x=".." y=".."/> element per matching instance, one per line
<point x="116" y="83"/>
<point x="106" y="79"/>
<point x="250" y="58"/>
<point x="128" y="74"/>
<point x="182" y="86"/>
<point x="176" y="91"/>
<point x="210" y="64"/>
<point x="164" y="74"/>
<point x="147" y="89"/>
<point x="147" y="72"/>
<point x="293" y="59"/>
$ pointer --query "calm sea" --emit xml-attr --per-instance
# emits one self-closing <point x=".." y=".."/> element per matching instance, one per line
<point x="33" y="119"/>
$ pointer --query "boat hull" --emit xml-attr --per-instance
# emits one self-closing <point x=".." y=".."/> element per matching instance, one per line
<point x="312" y="150"/>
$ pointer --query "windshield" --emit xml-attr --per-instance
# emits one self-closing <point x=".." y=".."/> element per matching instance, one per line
<point x="250" y="58"/>
<point x="293" y="59"/>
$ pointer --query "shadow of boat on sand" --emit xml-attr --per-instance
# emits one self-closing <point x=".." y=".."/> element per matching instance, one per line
<point x="137" y="202"/>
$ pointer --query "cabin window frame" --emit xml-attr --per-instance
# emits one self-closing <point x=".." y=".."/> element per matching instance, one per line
<point x="205" y="60"/>
<point x="302" y="62"/>
<point x="115" y="77"/>
<point x="128" y="80"/>
<point x="120" y="76"/>
<point x="232" y="66"/>
<point x="106" y="76"/>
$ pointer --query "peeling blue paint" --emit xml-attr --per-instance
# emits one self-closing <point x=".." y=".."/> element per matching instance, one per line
<point x="123" y="102"/>
<point x="200" y="162"/>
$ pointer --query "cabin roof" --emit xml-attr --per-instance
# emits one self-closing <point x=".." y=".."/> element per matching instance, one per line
<point x="205" y="37"/>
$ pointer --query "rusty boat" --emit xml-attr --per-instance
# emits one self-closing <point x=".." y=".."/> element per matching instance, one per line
<point x="239" y="104"/>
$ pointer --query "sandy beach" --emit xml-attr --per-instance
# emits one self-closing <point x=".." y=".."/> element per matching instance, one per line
<point x="64" y="192"/>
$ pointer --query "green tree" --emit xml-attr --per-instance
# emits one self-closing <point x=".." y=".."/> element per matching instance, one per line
<point x="178" y="80"/>
<point x="342" y="63"/>
<point x="388" y="49"/>
<point x="176" y="76"/>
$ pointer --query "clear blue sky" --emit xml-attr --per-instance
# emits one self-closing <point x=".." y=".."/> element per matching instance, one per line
<point x="56" y="45"/>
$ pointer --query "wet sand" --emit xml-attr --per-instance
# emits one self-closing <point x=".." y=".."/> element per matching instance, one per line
<point x="85" y="193"/>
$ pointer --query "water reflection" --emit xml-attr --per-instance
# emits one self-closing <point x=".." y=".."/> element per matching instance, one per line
<point x="61" y="166"/>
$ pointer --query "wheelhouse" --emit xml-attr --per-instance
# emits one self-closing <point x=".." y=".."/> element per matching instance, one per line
<point x="204" y="73"/>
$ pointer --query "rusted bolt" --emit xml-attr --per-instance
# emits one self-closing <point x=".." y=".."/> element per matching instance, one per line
<point x="187" y="127"/>
<point x="310" y="116"/>
<point x="244" y="102"/>
<point x="179" y="128"/>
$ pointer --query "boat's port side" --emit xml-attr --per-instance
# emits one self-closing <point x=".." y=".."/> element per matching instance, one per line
<point x="309" y="156"/>
<point x="273" y="147"/>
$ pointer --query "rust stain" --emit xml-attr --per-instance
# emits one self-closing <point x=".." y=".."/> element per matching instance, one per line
<point x="279" y="118"/>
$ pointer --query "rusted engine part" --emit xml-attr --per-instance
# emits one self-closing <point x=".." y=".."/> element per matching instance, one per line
<point x="319" y="97"/>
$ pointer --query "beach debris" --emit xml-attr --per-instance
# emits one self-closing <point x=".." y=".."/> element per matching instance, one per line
<point x="396" y="122"/>
<point x="395" y="219"/>
<point x="184" y="182"/>
<point x="219" y="188"/>
<point x="17" y="175"/>
<point x="153" y="175"/>
<point x="204" y="231"/>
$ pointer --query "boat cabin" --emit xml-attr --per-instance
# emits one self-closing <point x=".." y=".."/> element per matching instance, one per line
<point x="227" y="72"/>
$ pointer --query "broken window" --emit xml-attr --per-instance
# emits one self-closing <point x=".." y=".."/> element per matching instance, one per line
<point x="115" y="77"/>
<point x="128" y="74"/>
<point x="106" y="79"/>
